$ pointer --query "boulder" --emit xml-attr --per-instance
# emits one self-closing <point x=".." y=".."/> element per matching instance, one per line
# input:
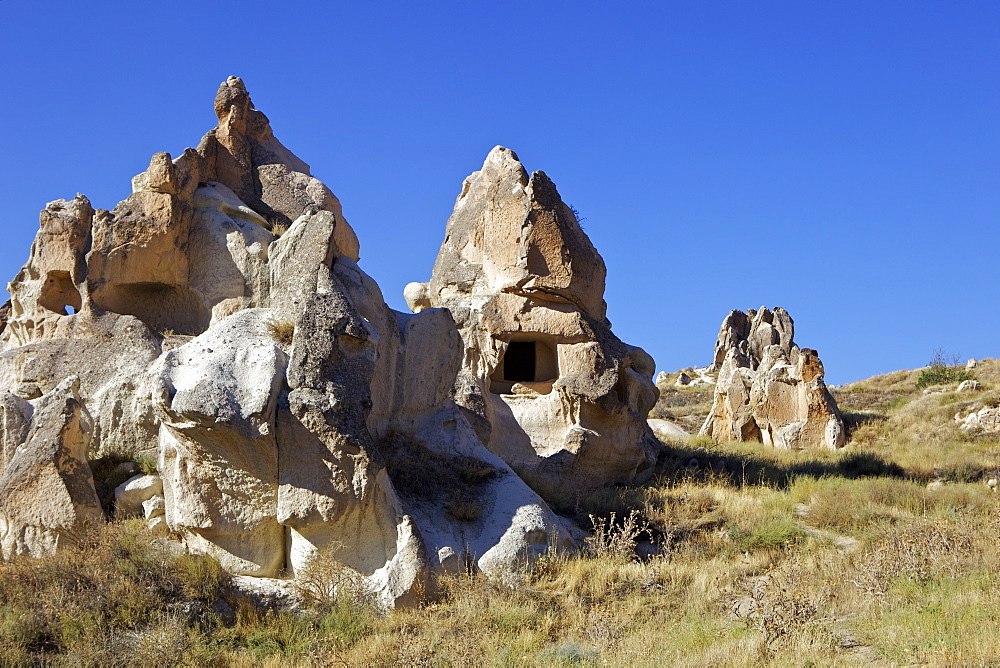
<point x="666" y="430"/>
<point x="986" y="420"/>
<point x="131" y="495"/>
<point x="470" y="506"/>
<point x="15" y="419"/>
<point x="768" y="389"/>
<point x="969" y="386"/>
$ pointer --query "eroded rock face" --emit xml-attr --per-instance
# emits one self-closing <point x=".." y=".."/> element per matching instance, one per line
<point x="218" y="319"/>
<point x="768" y="389"/>
<point x="218" y="456"/>
<point x="47" y="490"/>
<point x="565" y="400"/>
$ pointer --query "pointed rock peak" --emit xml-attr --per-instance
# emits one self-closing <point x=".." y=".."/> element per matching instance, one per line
<point x="512" y="234"/>
<point x="501" y="155"/>
<point x="232" y="92"/>
<point x="545" y="193"/>
<point x="502" y="164"/>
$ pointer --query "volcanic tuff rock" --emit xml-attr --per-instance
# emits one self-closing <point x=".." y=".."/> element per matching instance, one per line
<point x="47" y="490"/>
<point x="767" y="388"/>
<point x="291" y="412"/>
<point x="553" y="391"/>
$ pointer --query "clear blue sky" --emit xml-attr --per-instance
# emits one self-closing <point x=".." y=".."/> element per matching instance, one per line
<point x="839" y="159"/>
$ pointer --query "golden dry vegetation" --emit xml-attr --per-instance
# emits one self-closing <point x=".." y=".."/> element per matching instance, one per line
<point x="885" y="553"/>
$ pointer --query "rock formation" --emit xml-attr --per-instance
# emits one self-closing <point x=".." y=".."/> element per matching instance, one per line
<point x="46" y="490"/>
<point x="985" y="420"/>
<point x="768" y="389"/>
<point x="552" y="391"/>
<point x="217" y="319"/>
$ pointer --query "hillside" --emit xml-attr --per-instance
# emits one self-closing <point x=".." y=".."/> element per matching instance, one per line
<point x="883" y="552"/>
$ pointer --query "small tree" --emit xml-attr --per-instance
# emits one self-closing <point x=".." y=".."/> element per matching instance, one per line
<point x="943" y="369"/>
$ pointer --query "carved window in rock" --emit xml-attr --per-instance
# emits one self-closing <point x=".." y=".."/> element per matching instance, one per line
<point x="529" y="360"/>
<point x="519" y="361"/>
<point x="58" y="293"/>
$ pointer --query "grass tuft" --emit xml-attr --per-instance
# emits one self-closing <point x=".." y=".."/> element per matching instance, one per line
<point x="282" y="331"/>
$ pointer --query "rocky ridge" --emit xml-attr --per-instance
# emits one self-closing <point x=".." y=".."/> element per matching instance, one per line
<point x="217" y="319"/>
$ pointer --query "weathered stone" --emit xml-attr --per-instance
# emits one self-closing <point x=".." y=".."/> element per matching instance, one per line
<point x="503" y="522"/>
<point x="295" y="260"/>
<point x="111" y="355"/>
<point x="51" y="285"/>
<point x="131" y="495"/>
<point x="566" y="400"/>
<point x="666" y="430"/>
<point x="47" y="491"/>
<point x="284" y="400"/>
<point x="331" y="489"/>
<point x="986" y="419"/>
<point x="229" y="249"/>
<point x="767" y="388"/>
<point x="15" y="419"/>
<point x="969" y="386"/>
<point x="218" y="455"/>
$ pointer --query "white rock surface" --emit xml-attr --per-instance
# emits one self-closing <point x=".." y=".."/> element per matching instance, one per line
<point x="218" y="456"/>
<point x="969" y="386"/>
<point x="564" y="399"/>
<point x="47" y="491"/>
<point x="134" y="492"/>
<point x="666" y="430"/>
<point x="162" y="327"/>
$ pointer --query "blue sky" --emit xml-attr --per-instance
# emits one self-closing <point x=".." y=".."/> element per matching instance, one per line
<point x="839" y="159"/>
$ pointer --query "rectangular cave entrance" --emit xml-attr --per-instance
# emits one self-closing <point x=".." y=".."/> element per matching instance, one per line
<point x="528" y="359"/>
<point x="519" y="361"/>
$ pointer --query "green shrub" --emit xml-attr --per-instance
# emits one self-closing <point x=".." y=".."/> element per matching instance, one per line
<point x="146" y="464"/>
<point x="939" y="374"/>
<point x="278" y="633"/>
<point x="347" y="621"/>
<point x="768" y="537"/>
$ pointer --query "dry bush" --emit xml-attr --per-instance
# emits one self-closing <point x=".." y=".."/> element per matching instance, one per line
<point x="423" y="476"/>
<point x="616" y="539"/>
<point x="464" y="509"/>
<point x="282" y="331"/>
<point x="919" y="551"/>
<point x="781" y="607"/>
<point x="324" y="581"/>
<point x="107" y="597"/>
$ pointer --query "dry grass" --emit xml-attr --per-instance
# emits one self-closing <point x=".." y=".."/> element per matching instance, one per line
<point x="687" y="406"/>
<point x="733" y="555"/>
<point x="425" y="477"/>
<point x="282" y="331"/>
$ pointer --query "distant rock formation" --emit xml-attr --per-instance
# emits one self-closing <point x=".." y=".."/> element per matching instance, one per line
<point x="767" y="388"/>
<point x="289" y="409"/>
<point x="985" y="420"/>
<point x="550" y="388"/>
